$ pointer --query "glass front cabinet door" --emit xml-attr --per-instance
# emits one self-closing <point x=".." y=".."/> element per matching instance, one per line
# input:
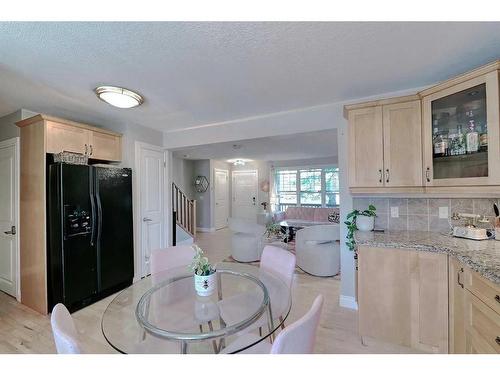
<point x="461" y="134"/>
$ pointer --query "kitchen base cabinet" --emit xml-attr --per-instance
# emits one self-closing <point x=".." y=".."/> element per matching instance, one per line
<point x="403" y="297"/>
<point x="456" y="307"/>
<point x="482" y="326"/>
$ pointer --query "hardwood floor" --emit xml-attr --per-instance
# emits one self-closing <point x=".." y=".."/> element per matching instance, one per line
<point x="24" y="331"/>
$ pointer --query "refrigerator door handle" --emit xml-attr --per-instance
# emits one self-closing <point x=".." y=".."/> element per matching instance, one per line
<point x="98" y="240"/>
<point x="92" y="207"/>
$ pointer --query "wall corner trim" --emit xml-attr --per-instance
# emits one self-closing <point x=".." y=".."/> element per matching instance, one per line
<point x="348" y="302"/>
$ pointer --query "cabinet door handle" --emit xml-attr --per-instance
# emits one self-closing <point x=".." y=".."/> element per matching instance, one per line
<point x="497" y="298"/>
<point x="497" y="340"/>
<point x="387" y="175"/>
<point x="458" y="278"/>
<point x="380" y="175"/>
<point x="428" y="174"/>
<point x="86" y="149"/>
<point x="91" y="150"/>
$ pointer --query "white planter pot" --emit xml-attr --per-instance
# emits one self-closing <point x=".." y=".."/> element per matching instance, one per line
<point x="205" y="285"/>
<point x="365" y="223"/>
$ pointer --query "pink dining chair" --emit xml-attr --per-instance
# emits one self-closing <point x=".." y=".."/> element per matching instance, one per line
<point x="276" y="261"/>
<point x="298" y="338"/>
<point x="171" y="257"/>
<point x="279" y="262"/>
<point x="64" y="331"/>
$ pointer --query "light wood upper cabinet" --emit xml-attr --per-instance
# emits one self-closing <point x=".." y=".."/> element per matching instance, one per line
<point x="105" y="146"/>
<point x="403" y="297"/>
<point x="62" y="137"/>
<point x="402" y="144"/>
<point x="385" y="148"/>
<point x="394" y="143"/>
<point x="366" y="150"/>
<point x="448" y="115"/>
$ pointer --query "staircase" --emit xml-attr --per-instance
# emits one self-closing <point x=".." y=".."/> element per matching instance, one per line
<point x="184" y="216"/>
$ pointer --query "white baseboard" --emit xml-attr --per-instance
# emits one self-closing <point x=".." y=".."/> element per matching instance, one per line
<point x="205" y="230"/>
<point x="348" y="302"/>
<point x="188" y="241"/>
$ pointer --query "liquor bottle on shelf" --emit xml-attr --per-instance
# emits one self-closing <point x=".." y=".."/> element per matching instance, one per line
<point x="472" y="138"/>
<point x="460" y="141"/>
<point x="483" y="139"/>
<point x="441" y="145"/>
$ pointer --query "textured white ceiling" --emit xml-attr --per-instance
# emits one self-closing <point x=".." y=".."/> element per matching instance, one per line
<point x="200" y="73"/>
<point x="310" y="145"/>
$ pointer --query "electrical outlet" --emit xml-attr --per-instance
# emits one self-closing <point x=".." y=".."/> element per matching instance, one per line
<point x="395" y="211"/>
<point x="443" y="212"/>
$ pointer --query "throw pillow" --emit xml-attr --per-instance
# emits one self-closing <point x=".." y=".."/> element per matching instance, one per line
<point x="334" y="217"/>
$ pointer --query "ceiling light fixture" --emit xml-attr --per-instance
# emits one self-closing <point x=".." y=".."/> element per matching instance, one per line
<point x="239" y="162"/>
<point x="118" y="96"/>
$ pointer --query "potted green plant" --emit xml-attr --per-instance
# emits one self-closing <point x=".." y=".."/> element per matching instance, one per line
<point x="205" y="278"/>
<point x="359" y="220"/>
<point x="274" y="232"/>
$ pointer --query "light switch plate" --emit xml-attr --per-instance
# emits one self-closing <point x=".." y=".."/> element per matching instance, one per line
<point x="443" y="212"/>
<point x="395" y="211"/>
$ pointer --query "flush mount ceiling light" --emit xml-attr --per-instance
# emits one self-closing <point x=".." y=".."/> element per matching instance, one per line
<point x="239" y="161"/>
<point x="118" y="96"/>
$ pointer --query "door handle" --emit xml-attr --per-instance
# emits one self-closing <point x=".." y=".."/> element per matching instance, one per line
<point x="86" y="149"/>
<point x="253" y="199"/>
<point x="91" y="150"/>
<point x="428" y="174"/>
<point x="380" y="175"/>
<point x="387" y="176"/>
<point x="12" y="230"/>
<point x="146" y="219"/>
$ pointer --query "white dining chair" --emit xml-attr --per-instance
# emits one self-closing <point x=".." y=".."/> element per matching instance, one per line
<point x="298" y="338"/>
<point x="64" y="331"/>
<point x="276" y="261"/>
<point x="171" y="257"/>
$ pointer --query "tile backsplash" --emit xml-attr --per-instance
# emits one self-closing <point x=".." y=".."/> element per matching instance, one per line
<point x="423" y="213"/>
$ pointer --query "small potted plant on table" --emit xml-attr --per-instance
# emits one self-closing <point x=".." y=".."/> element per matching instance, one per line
<point x="205" y="278"/>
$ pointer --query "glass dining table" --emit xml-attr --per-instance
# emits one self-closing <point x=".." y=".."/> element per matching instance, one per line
<point x="162" y="313"/>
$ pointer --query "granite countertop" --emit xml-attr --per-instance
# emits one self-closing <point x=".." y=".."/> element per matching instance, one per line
<point x="481" y="256"/>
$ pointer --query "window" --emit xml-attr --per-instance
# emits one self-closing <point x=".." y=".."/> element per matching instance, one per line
<point x="309" y="187"/>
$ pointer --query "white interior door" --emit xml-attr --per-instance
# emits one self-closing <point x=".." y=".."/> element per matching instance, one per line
<point x="245" y="195"/>
<point x="152" y="204"/>
<point x="221" y="198"/>
<point x="8" y="217"/>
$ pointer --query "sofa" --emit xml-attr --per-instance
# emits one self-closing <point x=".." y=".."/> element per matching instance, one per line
<point x="317" y="249"/>
<point x="306" y="215"/>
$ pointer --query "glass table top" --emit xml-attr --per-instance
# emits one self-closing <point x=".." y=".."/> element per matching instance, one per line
<point x="162" y="313"/>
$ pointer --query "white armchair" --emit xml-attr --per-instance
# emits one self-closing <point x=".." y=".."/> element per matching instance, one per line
<point x="246" y="240"/>
<point x="318" y="250"/>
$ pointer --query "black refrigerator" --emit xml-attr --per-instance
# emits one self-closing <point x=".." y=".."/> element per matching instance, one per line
<point x="90" y="233"/>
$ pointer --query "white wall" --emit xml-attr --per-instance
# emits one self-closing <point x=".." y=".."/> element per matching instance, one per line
<point x="183" y="175"/>
<point x="8" y="128"/>
<point x="333" y="161"/>
<point x="203" y="200"/>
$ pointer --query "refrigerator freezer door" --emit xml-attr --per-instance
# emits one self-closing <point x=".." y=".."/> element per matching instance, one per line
<point x="113" y="190"/>
<point x="72" y="259"/>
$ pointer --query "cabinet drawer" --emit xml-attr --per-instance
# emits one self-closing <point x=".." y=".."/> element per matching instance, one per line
<point x="482" y="326"/>
<point x="485" y="290"/>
